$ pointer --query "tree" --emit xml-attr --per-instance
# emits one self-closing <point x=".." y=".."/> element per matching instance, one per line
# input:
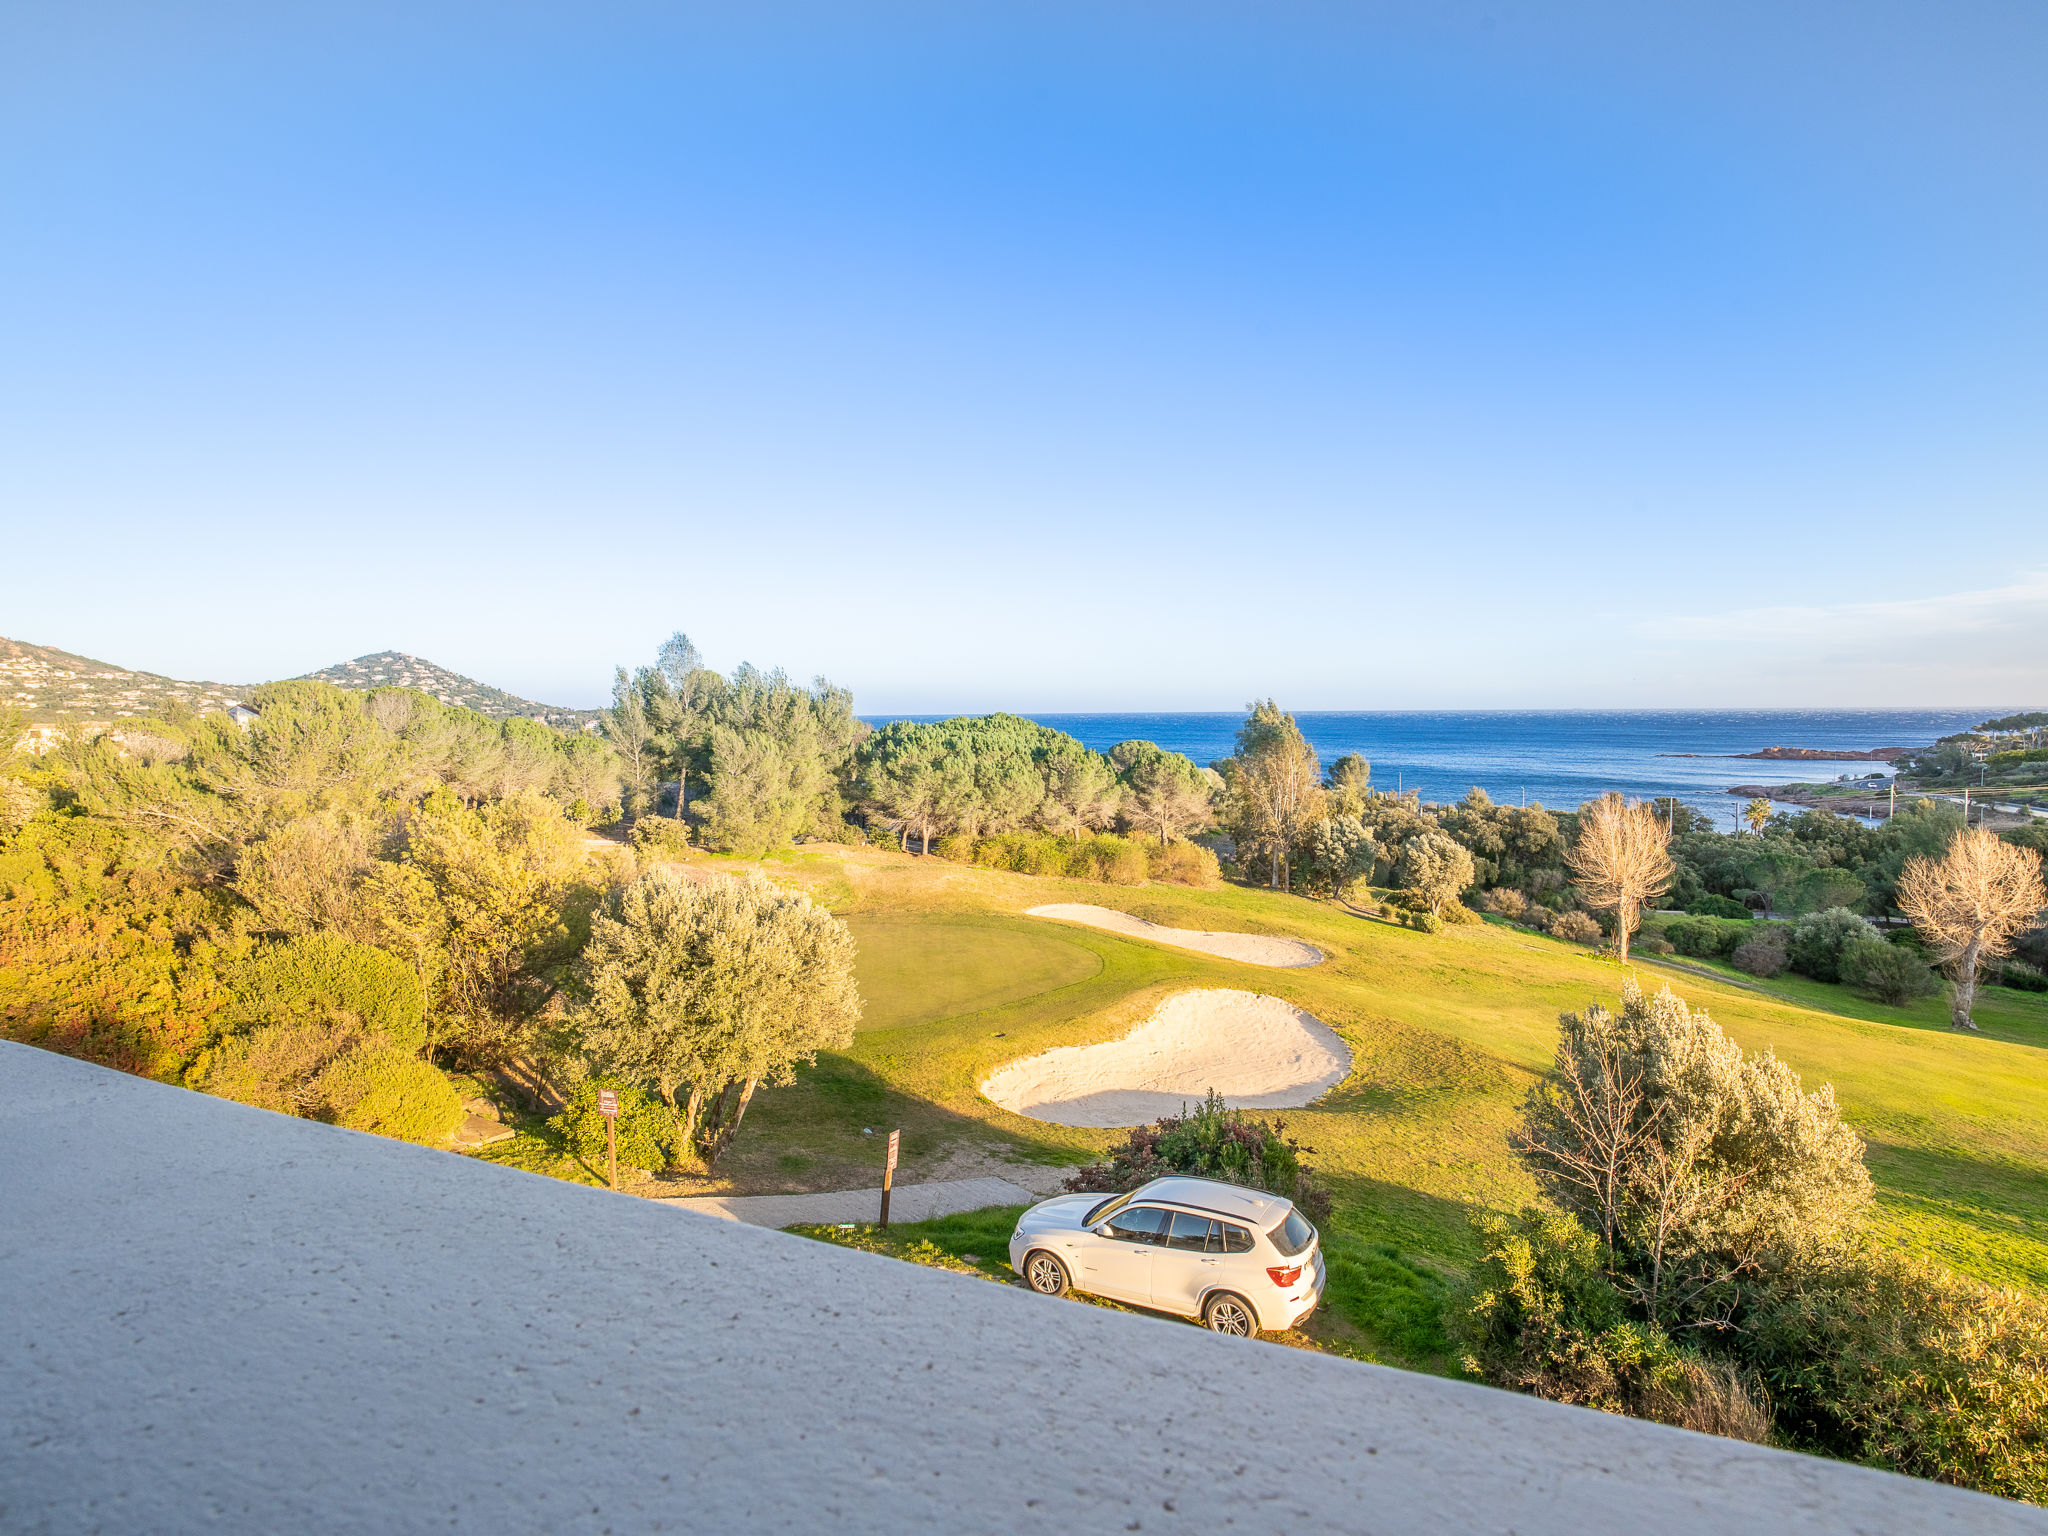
<point x="707" y="991"/>
<point x="1970" y="906"/>
<point x="1621" y="859"/>
<point x="1080" y="790"/>
<point x="1694" y="1164"/>
<point x="1276" y="789"/>
<point x="1350" y="784"/>
<point x="1341" y="853"/>
<point x="629" y="729"/>
<point x="1434" y="868"/>
<point x="1758" y="814"/>
<point x="1164" y="792"/>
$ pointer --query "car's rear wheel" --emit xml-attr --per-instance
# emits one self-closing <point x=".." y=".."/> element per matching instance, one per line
<point x="1045" y="1274"/>
<point x="1230" y="1314"/>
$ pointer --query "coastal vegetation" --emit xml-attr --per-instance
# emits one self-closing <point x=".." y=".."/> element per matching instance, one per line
<point x="370" y="908"/>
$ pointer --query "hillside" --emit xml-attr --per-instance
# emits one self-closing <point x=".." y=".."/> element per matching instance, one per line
<point x="53" y="687"/>
<point x="395" y="669"/>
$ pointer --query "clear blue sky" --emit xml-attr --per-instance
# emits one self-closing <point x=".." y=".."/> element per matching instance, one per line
<point x="1370" y="356"/>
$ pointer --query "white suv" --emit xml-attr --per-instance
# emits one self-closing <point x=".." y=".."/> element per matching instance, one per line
<point x="1239" y="1259"/>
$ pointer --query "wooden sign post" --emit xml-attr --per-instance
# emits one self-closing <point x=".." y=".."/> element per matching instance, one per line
<point x="889" y="1174"/>
<point x="608" y="1106"/>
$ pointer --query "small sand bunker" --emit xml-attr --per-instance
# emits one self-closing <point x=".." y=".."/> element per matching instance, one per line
<point x="1256" y="1051"/>
<point x="1252" y="948"/>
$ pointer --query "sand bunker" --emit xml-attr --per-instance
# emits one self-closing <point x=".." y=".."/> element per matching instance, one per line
<point x="1258" y="1052"/>
<point x="1252" y="948"/>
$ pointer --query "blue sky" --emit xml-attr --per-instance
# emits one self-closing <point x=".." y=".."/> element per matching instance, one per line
<point x="1046" y="357"/>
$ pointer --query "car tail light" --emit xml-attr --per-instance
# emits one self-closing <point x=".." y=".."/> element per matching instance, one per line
<point x="1284" y="1277"/>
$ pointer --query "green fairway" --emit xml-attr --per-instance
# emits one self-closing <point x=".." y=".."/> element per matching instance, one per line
<point x="1447" y="1030"/>
<point x="913" y="971"/>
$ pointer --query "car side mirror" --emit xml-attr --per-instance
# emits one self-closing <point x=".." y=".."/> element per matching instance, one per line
<point x="1104" y="1230"/>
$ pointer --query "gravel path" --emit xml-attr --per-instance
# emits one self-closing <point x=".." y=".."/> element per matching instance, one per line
<point x="1251" y="948"/>
<point x="907" y="1202"/>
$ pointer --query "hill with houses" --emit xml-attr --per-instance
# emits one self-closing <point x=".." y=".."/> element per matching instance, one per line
<point x="53" y="687"/>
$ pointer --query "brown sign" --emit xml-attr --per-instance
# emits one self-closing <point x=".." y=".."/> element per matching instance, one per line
<point x="895" y="1139"/>
<point x="608" y="1103"/>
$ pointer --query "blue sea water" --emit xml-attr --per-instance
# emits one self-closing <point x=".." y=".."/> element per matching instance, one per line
<point x="1559" y="757"/>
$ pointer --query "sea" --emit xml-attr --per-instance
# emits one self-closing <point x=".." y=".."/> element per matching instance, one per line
<point x="1559" y="758"/>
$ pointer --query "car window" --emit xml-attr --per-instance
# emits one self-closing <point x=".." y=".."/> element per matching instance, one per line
<point x="1236" y="1239"/>
<point x="1102" y="1212"/>
<point x="1189" y="1232"/>
<point x="1292" y="1235"/>
<point x="1140" y="1224"/>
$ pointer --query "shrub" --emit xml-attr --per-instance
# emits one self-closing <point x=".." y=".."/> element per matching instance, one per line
<point x="383" y="1088"/>
<point x="317" y="977"/>
<point x="1718" y="906"/>
<point x="1702" y="936"/>
<point x="1184" y="864"/>
<point x="1891" y="1360"/>
<point x="1575" y="927"/>
<point x="1507" y="902"/>
<point x="1028" y="853"/>
<point x="1763" y="955"/>
<point x="662" y="837"/>
<point x="2021" y="977"/>
<point x="1889" y="972"/>
<point x="1540" y="1316"/>
<point x="1422" y="920"/>
<point x="1457" y="914"/>
<point x="1111" y="859"/>
<point x="1818" y="939"/>
<point x="275" y="1066"/>
<point x="1654" y="946"/>
<point x="956" y="846"/>
<point x="1211" y="1141"/>
<point x="646" y="1130"/>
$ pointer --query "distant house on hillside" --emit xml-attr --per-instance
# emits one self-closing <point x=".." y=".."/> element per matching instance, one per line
<point x="243" y="715"/>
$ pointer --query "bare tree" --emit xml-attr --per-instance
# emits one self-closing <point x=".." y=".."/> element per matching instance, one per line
<point x="1971" y="904"/>
<point x="1622" y="859"/>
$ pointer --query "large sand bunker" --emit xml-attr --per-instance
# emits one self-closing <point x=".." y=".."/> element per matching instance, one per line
<point x="1252" y="948"/>
<point x="1257" y="1052"/>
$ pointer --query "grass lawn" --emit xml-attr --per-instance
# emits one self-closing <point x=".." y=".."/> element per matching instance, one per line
<point x="1447" y="1031"/>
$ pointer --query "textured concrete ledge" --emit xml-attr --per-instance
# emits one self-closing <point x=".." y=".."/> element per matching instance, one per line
<point x="219" y="1319"/>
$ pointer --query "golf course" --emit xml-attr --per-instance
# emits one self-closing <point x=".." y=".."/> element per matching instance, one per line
<point x="1445" y="1031"/>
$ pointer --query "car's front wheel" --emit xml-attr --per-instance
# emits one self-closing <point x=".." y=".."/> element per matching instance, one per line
<point x="1226" y="1313"/>
<point x="1045" y="1274"/>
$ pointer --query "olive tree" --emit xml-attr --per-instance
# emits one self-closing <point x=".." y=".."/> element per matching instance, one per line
<point x="1694" y="1164"/>
<point x="1971" y="904"/>
<point x="1622" y="858"/>
<point x="707" y="991"/>
<point x="1341" y="852"/>
<point x="1433" y="868"/>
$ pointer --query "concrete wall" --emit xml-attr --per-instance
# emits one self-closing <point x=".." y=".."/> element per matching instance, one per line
<point x="212" y="1318"/>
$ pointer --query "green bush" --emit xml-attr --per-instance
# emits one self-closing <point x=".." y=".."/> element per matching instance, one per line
<point x="383" y="1088"/>
<point x="1893" y="1361"/>
<point x="646" y="1129"/>
<point x="1458" y="915"/>
<point x="957" y="846"/>
<point x="1703" y="937"/>
<point x="1889" y="972"/>
<point x="662" y="837"/>
<point x="1107" y="858"/>
<point x="1211" y="1141"/>
<point x="322" y="975"/>
<point x="1818" y="939"/>
<point x="1422" y="920"/>
<point x="2020" y="976"/>
<point x="1719" y="906"/>
<point x="1028" y="853"/>
<point x="1539" y="1315"/>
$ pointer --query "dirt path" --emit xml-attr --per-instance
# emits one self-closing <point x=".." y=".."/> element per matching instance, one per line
<point x="908" y="1202"/>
